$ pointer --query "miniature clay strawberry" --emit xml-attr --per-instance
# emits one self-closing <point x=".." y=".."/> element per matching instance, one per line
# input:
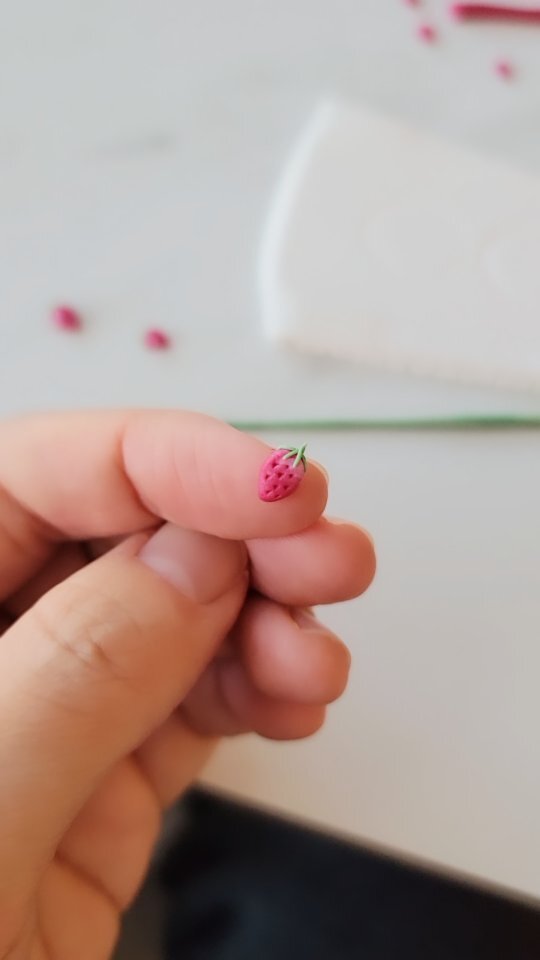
<point x="281" y="473"/>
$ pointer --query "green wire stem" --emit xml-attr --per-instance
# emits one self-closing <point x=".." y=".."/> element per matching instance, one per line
<point x="496" y="421"/>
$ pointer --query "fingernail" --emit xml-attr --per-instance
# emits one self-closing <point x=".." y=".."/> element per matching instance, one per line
<point x="339" y="522"/>
<point x="306" y="619"/>
<point x="323" y="470"/>
<point x="201" y="567"/>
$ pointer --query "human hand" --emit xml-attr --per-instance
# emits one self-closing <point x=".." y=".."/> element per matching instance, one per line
<point x="128" y="645"/>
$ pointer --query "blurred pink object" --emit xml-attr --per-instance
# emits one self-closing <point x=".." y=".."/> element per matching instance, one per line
<point x="504" y="69"/>
<point x="66" y="318"/>
<point x="427" y="33"/>
<point x="157" y="340"/>
<point x="494" y="11"/>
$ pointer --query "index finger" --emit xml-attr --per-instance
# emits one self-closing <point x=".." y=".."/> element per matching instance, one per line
<point x="99" y="474"/>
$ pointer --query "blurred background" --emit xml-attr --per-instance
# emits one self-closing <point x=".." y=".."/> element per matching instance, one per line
<point x="164" y="165"/>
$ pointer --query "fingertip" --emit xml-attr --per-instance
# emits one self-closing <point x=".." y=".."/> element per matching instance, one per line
<point x="268" y="717"/>
<point x="290" y="655"/>
<point x="200" y="472"/>
<point x="355" y="542"/>
<point x="328" y="562"/>
<point x="322" y="469"/>
<point x="297" y="512"/>
<point x="328" y="656"/>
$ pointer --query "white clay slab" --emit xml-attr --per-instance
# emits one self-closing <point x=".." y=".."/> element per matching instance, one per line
<point x="392" y="247"/>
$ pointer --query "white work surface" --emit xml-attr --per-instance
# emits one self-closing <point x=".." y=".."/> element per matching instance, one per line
<point x="139" y="146"/>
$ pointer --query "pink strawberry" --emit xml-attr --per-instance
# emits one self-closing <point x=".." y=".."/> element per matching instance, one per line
<point x="281" y="473"/>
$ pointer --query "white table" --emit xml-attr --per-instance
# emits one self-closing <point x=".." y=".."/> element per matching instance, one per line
<point x="434" y="750"/>
<point x="139" y="144"/>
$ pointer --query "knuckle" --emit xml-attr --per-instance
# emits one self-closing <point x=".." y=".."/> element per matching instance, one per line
<point x="79" y="631"/>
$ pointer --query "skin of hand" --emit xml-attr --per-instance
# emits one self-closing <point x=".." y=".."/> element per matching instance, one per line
<point x="149" y="604"/>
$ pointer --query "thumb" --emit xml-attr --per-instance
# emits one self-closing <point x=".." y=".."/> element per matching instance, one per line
<point x="97" y="664"/>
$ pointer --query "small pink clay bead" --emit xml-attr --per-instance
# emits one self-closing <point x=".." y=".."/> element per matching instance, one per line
<point x="504" y="69"/>
<point x="66" y="318"/>
<point x="156" y="340"/>
<point x="427" y="33"/>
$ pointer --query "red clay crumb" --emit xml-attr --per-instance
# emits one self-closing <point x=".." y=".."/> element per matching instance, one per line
<point x="66" y="318"/>
<point x="157" y="340"/>
<point x="427" y="33"/>
<point x="504" y="69"/>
